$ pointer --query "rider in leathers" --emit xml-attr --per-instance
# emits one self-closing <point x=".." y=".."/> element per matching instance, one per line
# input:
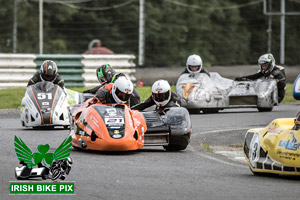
<point x="106" y="75"/>
<point x="48" y="72"/>
<point x="268" y="70"/>
<point x="161" y="96"/>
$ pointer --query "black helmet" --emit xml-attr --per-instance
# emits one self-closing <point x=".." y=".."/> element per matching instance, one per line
<point x="297" y="122"/>
<point x="48" y="70"/>
<point x="105" y="73"/>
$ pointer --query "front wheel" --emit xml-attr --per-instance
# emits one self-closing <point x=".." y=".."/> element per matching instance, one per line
<point x="173" y="147"/>
<point x="265" y="109"/>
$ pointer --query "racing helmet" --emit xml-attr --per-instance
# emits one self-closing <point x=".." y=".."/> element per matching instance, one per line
<point x="105" y="73"/>
<point x="161" y="92"/>
<point x="297" y="122"/>
<point x="122" y="89"/>
<point x="194" y="63"/>
<point x="48" y="70"/>
<point x="266" y="63"/>
<point x="69" y="161"/>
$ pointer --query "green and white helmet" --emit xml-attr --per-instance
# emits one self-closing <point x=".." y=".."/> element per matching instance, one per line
<point x="266" y="63"/>
<point x="105" y="73"/>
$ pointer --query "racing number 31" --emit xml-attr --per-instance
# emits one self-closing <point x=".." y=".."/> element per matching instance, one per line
<point x="44" y="95"/>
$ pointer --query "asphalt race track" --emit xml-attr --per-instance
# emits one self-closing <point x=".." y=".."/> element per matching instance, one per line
<point x="152" y="173"/>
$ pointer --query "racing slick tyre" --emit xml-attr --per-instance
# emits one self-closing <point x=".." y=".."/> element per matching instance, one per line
<point x="174" y="147"/>
<point x="265" y="109"/>
<point x="77" y="148"/>
<point x="178" y="143"/>
<point x="194" y="111"/>
<point x="210" y="110"/>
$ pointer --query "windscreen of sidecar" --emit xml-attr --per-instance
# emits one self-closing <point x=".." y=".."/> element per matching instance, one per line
<point x="44" y="86"/>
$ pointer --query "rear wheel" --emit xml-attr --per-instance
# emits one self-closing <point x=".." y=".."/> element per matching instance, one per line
<point x="265" y="109"/>
<point x="173" y="147"/>
<point x="194" y="111"/>
<point x="210" y="110"/>
<point x="77" y="148"/>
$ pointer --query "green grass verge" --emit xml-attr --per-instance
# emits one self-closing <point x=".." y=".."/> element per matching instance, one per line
<point x="11" y="98"/>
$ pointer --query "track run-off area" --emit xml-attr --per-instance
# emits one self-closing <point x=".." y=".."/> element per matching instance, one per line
<point x="212" y="166"/>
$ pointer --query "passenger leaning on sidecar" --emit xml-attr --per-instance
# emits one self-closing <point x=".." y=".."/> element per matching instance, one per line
<point x="118" y="92"/>
<point x="194" y="65"/>
<point x="161" y="96"/>
<point x="48" y="72"/>
<point x="105" y="75"/>
<point x="268" y="70"/>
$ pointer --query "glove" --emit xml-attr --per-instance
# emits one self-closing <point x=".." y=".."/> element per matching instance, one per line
<point x="94" y="100"/>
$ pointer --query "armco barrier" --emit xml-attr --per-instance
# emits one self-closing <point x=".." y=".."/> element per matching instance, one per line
<point x="16" y="69"/>
<point x="69" y="67"/>
<point x="76" y="70"/>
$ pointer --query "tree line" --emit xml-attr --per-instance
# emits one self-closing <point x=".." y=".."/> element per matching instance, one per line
<point x="222" y="32"/>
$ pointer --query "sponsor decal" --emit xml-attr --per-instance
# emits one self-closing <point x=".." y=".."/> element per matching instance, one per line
<point x="117" y="134"/>
<point x="218" y="96"/>
<point x="115" y="121"/>
<point x="45" y="103"/>
<point x="42" y="165"/>
<point x="275" y="130"/>
<point x="288" y="156"/>
<point x="94" y="120"/>
<point x="111" y="111"/>
<point x="187" y="89"/>
<point x="290" y="144"/>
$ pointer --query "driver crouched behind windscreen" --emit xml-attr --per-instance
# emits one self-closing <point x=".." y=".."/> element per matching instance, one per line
<point x="118" y="92"/>
<point x="161" y="96"/>
<point x="48" y="72"/>
<point x="194" y="65"/>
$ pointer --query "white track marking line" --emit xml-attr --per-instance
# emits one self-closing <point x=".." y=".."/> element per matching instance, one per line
<point x="214" y="158"/>
<point x="218" y="131"/>
<point x="217" y="159"/>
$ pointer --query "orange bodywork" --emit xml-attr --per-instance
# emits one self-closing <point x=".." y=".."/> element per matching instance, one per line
<point x="91" y="129"/>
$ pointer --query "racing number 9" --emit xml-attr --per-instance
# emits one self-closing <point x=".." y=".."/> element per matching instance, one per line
<point x="44" y="95"/>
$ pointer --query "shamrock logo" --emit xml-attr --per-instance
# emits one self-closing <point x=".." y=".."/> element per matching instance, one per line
<point x="25" y="154"/>
<point x="43" y="155"/>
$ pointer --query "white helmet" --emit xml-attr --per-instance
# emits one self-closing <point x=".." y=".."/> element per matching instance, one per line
<point x="194" y="63"/>
<point x="161" y="92"/>
<point x="122" y="89"/>
<point x="266" y="63"/>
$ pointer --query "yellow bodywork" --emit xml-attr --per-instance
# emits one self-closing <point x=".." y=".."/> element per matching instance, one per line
<point x="279" y="150"/>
